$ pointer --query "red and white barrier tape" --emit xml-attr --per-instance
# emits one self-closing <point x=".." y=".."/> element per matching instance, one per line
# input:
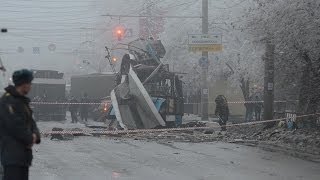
<point x="68" y="103"/>
<point x="241" y="102"/>
<point x="111" y="132"/>
<point x="248" y="102"/>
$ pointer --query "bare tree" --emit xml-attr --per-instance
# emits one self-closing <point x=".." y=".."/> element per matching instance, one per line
<point x="293" y="27"/>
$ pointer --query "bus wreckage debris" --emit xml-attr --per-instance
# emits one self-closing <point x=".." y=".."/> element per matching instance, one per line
<point x="147" y="94"/>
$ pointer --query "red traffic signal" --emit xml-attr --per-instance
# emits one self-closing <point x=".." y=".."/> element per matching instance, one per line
<point x="119" y="32"/>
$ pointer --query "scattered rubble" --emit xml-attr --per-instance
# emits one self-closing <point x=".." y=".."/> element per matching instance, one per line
<point x="66" y="135"/>
<point x="194" y="124"/>
<point x="300" y="143"/>
<point x="305" y="142"/>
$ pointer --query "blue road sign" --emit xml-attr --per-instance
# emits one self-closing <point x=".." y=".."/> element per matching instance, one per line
<point x="203" y="62"/>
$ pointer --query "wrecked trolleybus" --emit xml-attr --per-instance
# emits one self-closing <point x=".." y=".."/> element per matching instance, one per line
<point x="148" y="94"/>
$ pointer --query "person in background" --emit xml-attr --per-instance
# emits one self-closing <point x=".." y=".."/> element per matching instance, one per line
<point x="222" y="111"/>
<point x="44" y="96"/>
<point x="18" y="130"/>
<point x="84" y="108"/>
<point x="36" y="107"/>
<point x="73" y="108"/>
<point x="249" y="109"/>
<point x="258" y="105"/>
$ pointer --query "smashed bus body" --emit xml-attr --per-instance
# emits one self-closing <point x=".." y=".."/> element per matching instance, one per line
<point x="147" y="94"/>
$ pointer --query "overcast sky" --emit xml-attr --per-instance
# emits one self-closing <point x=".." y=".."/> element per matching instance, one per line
<point x="68" y="24"/>
<point x="64" y="23"/>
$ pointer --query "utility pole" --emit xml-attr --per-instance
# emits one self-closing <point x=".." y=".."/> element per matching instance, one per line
<point x="204" y="74"/>
<point x="269" y="83"/>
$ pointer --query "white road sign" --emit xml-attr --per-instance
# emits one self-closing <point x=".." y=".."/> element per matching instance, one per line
<point x="205" y="39"/>
<point x="270" y="86"/>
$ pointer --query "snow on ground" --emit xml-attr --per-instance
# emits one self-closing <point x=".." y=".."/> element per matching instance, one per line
<point x="108" y="158"/>
<point x="191" y="117"/>
<point x="48" y="125"/>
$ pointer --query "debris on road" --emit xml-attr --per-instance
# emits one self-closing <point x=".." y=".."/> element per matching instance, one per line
<point x="301" y="140"/>
<point x="194" y="124"/>
<point x="56" y="136"/>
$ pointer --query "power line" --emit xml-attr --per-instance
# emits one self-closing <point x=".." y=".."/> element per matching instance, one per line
<point x="53" y="1"/>
<point x="64" y="29"/>
<point x="35" y="39"/>
<point x="52" y="16"/>
<point x="140" y="16"/>
<point x="40" y="12"/>
<point x="229" y="7"/>
<point x="47" y="21"/>
<point x="186" y="3"/>
<point x="170" y="6"/>
<point x="54" y="23"/>
<point x="32" y="6"/>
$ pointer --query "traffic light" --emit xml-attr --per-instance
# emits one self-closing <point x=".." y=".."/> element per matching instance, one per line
<point x="119" y="32"/>
<point x="114" y="60"/>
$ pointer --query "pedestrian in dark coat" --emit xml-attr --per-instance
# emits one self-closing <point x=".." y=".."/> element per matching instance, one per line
<point x="84" y="108"/>
<point x="18" y="130"/>
<point x="250" y="107"/>
<point x="258" y="105"/>
<point x="74" y="108"/>
<point x="222" y="111"/>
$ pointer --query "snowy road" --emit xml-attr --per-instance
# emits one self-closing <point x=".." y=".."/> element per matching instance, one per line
<point x="108" y="159"/>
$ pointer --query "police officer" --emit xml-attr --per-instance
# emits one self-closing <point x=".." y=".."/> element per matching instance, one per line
<point x="18" y="130"/>
<point x="222" y="111"/>
<point x="1" y="171"/>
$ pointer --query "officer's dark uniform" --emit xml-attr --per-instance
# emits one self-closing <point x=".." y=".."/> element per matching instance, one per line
<point x="222" y="111"/>
<point x="16" y="129"/>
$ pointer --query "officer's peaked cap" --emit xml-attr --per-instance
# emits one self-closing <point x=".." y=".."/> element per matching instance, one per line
<point x="22" y="76"/>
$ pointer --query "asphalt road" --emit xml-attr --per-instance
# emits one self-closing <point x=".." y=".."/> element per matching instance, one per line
<point x="109" y="159"/>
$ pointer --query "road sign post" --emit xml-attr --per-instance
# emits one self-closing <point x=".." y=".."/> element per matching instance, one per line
<point x="203" y="62"/>
<point x="204" y="74"/>
<point x="269" y="84"/>
<point x="205" y="43"/>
